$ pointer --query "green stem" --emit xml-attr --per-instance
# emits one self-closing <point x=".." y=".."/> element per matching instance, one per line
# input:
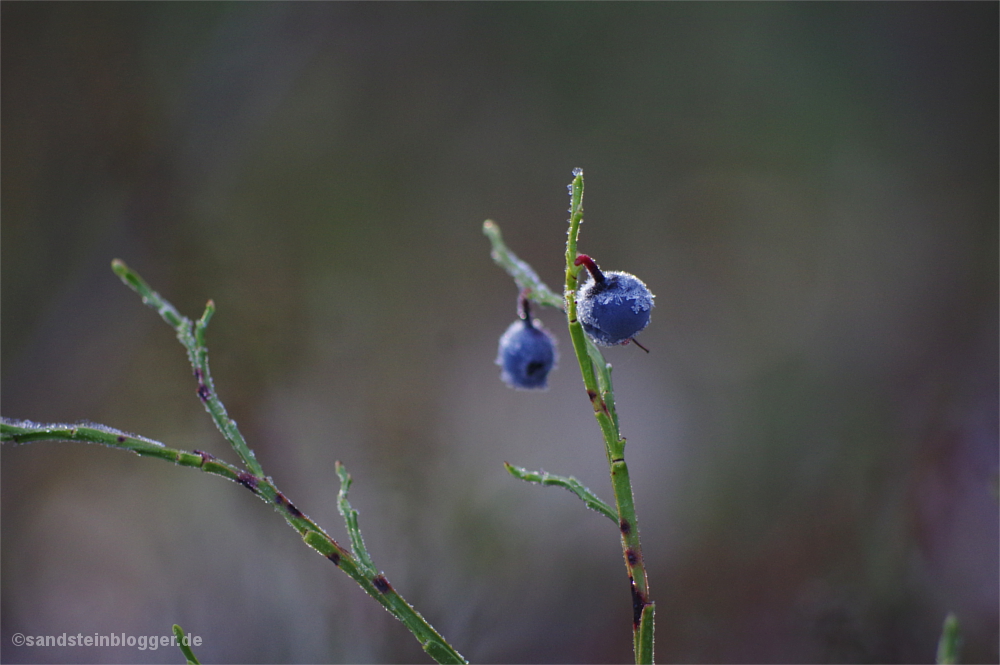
<point x="185" y="648"/>
<point x="524" y="276"/>
<point x="351" y="520"/>
<point x="572" y="484"/>
<point x="950" y="641"/>
<point x="356" y="564"/>
<point x="644" y="638"/>
<point x="597" y="380"/>
<point x="192" y="337"/>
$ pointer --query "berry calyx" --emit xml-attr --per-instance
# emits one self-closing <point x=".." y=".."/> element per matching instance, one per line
<point x="527" y="352"/>
<point x="613" y="307"/>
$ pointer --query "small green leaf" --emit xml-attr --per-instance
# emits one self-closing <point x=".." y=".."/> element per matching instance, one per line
<point x="570" y="483"/>
<point x="185" y="647"/>
<point x="351" y="519"/>
<point x="950" y="642"/>
<point x="524" y="275"/>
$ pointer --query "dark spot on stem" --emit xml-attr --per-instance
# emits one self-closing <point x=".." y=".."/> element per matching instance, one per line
<point x="631" y="556"/>
<point x="248" y="480"/>
<point x="638" y="602"/>
<point x="592" y="395"/>
<point x="382" y="584"/>
<point x="625" y="526"/>
<point x="203" y="392"/>
<point x="204" y="456"/>
<point x="282" y="500"/>
<point x="615" y="461"/>
<point x="121" y="439"/>
<point x="335" y="557"/>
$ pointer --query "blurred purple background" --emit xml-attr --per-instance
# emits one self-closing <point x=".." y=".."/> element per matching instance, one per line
<point x="810" y="189"/>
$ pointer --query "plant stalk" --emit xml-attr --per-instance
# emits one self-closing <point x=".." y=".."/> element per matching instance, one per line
<point x="356" y="562"/>
<point x="596" y="374"/>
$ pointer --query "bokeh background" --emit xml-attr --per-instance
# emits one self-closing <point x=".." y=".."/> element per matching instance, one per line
<point x="811" y="191"/>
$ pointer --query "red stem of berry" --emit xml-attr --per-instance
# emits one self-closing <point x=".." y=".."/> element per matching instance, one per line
<point x="524" y="309"/>
<point x="585" y="260"/>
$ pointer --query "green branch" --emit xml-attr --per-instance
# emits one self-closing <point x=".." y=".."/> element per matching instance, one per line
<point x="184" y="646"/>
<point x="950" y="642"/>
<point x="644" y="636"/>
<point x="356" y="563"/>
<point x="523" y="274"/>
<point x="192" y="338"/>
<point x="351" y="520"/>
<point x="570" y="483"/>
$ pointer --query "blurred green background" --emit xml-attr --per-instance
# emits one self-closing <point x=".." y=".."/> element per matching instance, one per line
<point x="810" y="189"/>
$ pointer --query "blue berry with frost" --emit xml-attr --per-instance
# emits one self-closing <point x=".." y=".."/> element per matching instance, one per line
<point x="527" y="352"/>
<point x="613" y="307"/>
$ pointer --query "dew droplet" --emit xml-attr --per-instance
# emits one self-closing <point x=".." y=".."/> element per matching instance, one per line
<point x="577" y="172"/>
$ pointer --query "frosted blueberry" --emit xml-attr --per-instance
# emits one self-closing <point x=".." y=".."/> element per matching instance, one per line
<point x="527" y="352"/>
<point x="613" y="307"/>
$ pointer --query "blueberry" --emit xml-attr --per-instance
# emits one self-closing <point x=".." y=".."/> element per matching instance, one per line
<point x="612" y="306"/>
<point x="527" y="353"/>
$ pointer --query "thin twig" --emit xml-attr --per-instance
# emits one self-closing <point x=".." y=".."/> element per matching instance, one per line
<point x="523" y="275"/>
<point x="184" y="646"/>
<point x="192" y="338"/>
<point x="572" y="484"/>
